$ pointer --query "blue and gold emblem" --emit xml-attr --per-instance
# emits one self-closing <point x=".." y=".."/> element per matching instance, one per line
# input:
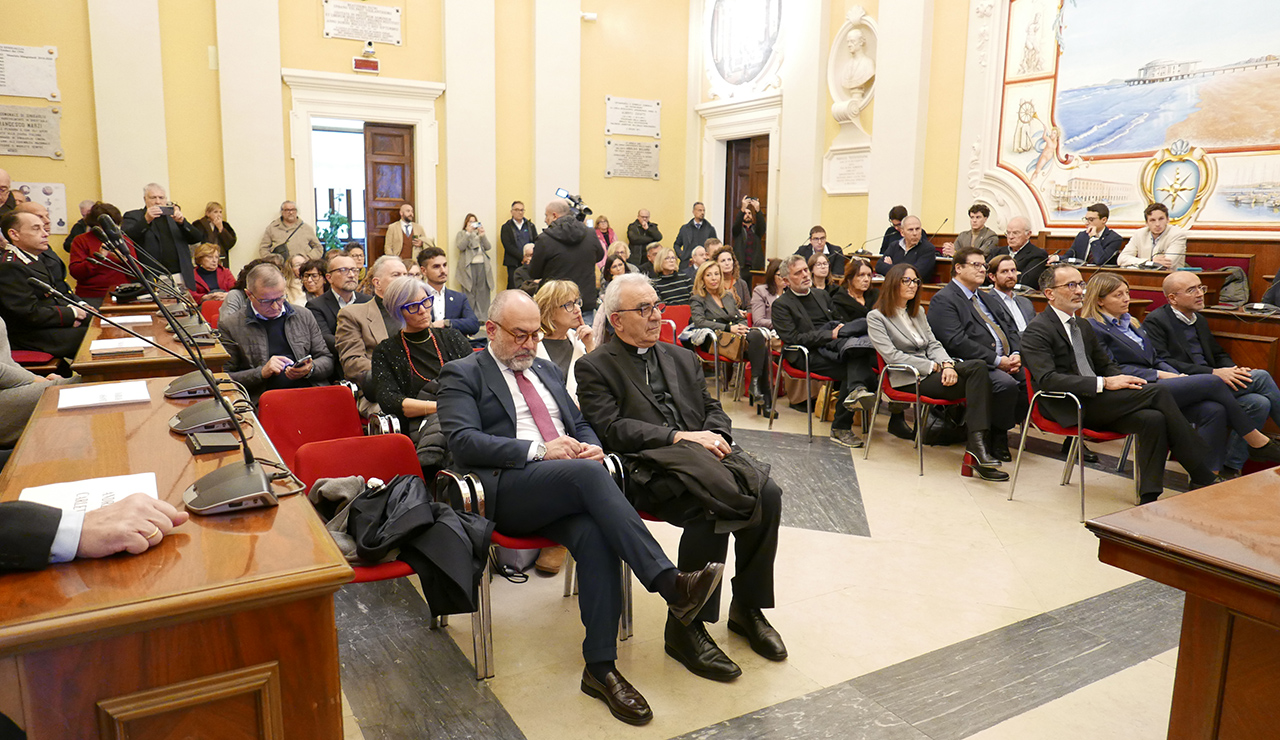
<point x="1179" y="177"/>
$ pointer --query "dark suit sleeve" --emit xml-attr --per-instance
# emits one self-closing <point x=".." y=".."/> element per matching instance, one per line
<point x="459" y="410"/>
<point x="322" y="320"/>
<point x="926" y="262"/>
<point x="322" y="360"/>
<point x="190" y="232"/>
<point x="787" y="325"/>
<point x="466" y="321"/>
<point x="1038" y="344"/>
<point x="1004" y="320"/>
<point x="26" y="534"/>
<point x="537" y="261"/>
<point x="600" y="406"/>
<point x="1210" y="345"/>
<point x="135" y="225"/>
<point x="945" y="319"/>
<point x="893" y="253"/>
<point x="1158" y="333"/>
<point x="1111" y="246"/>
<point x="1110" y="344"/>
<point x="1079" y="246"/>
<point x="18" y="300"/>
<point x="507" y="235"/>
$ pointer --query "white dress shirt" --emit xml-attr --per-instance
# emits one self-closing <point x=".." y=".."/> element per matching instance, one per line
<point x="67" y="539"/>
<point x="1011" y="302"/>
<point x="437" y="304"/>
<point x="526" y="428"/>
<point x="1065" y="318"/>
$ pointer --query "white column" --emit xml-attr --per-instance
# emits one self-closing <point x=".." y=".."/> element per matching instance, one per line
<point x="803" y="141"/>
<point x="694" y="189"/>
<point x="128" y="97"/>
<point x="253" y="158"/>
<point x="901" y="110"/>
<point x="471" y="129"/>
<point x="557" y="100"/>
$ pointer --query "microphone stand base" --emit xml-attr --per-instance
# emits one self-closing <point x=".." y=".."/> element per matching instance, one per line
<point x="235" y="487"/>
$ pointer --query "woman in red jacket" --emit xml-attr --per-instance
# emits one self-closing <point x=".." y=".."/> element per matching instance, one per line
<point x="96" y="269"/>
<point x="212" y="279"/>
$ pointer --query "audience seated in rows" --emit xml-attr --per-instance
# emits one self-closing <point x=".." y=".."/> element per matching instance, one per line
<point x="98" y="270"/>
<point x="312" y="276"/>
<point x="730" y="265"/>
<point x="696" y="257"/>
<point x="1097" y="244"/>
<point x="212" y="279"/>
<point x="1205" y="401"/>
<point x="1183" y="339"/>
<point x="912" y="249"/>
<point x="289" y="235"/>
<point x="901" y="335"/>
<point x="1159" y="241"/>
<point x="340" y="272"/>
<point x="817" y="245"/>
<point x="764" y="294"/>
<point x="363" y="326"/>
<point x="614" y="265"/>
<point x="406" y="366"/>
<point x="1029" y="258"/>
<point x="272" y="344"/>
<point x="161" y="230"/>
<point x="674" y="286"/>
<point x="1002" y="271"/>
<point x="1062" y="354"/>
<point x="805" y="317"/>
<point x="973" y="324"/>
<point x="509" y="420"/>
<point x="449" y="307"/>
<point x="565" y="338"/>
<point x="854" y="297"/>
<point x="36" y="321"/>
<point x="978" y="235"/>
<point x="714" y="310"/>
<point x="521" y="274"/>
<point x="684" y="468"/>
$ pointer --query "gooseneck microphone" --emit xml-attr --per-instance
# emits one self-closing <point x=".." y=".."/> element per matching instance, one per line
<point x="116" y="245"/>
<point x="232" y="487"/>
<point x="48" y="289"/>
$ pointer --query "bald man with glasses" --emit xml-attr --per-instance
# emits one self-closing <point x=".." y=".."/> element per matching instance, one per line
<point x="1062" y="354"/>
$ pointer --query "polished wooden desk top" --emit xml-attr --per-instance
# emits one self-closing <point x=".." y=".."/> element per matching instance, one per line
<point x="208" y="566"/>
<point x="151" y="363"/>
<point x="1230" y="531"/>
<point x="111" y="308"/>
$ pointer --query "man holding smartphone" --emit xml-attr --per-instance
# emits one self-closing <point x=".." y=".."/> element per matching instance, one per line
<point x="160" y="229"/>
<point x="273" y="345"/>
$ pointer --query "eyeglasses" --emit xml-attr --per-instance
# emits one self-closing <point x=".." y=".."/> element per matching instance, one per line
<point x="344" y="270"/>
<point x="312" y="276"/>
<point x="982" y="265"/>
<point x="1196" y="290"/>
<point x="572" y="305"/>
<point x="522" y="337"/>
<point x="268" y="301"/>
<point x="910" y="281"/>
<point x="1071" y="286"/>
<point x="417" y="306"/>
<point x="817" y="238"/>
<point x="288" y="210"/>
<point x="646" y="309"/>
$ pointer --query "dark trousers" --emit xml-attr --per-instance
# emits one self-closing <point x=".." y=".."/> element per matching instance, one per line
<point x="755" y="548"/>
<point x="511" y="277"/>
<point x="1150" y="413"/>
<point x="974" y="386"/>
<point x="1208" y="403"/>
<point x="576" y="503"/>
<point x="856" y="370"/>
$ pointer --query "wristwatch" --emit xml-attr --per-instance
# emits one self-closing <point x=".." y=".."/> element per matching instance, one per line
<point x="540" y="452"/>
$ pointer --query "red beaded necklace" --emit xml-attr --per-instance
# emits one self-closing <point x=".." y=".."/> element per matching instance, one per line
<point x="439" y="356"/>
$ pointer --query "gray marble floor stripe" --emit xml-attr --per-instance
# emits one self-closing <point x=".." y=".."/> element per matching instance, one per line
<point x="959" y="690"/>
<point x="819" y="484"/>
<point x="405" y="681"/>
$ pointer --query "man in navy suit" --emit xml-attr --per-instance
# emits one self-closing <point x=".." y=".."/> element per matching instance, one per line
<point x="973" y="325"/>
<point x="455" y="310"/>
<point x="1096" y="245"/>
<point x="343" y="275"/>
<point x="509" y="420"/>
<point x="913" y="249"/>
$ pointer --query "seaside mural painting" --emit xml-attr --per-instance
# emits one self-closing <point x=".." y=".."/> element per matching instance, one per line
<point x="1130" y="103"/>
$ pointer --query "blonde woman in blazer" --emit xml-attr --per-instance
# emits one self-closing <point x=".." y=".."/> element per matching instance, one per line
<point x="714" y="306"/>
<point x="901" y="335"/>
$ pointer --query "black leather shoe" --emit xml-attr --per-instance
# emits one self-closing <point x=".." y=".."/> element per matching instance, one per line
<point x="619" y="695"/>
<point x="899" y="428"/>
<point x="1089" y="455"/>
<point x="1267" y="453"/>
<point x="694" y="648"/>
<point x="999" y="446"/>
<point x="751" y="624"/>
<point x="1203" y="484"/>
<point x="693" y="590"/>
<point x="977" y="447"/>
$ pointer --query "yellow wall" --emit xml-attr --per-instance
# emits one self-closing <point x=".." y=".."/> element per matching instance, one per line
<point x="191" y="110"/>
<point x="31" y="24"/>
<point x="513" y="62"/>
<point x="946" y="100"/>
<point x="616" y="62"/>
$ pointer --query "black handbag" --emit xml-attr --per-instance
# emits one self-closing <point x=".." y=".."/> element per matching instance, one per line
<point x="944" y="425"/>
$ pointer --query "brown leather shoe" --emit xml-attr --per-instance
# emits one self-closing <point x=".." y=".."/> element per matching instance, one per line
<point x="551" y="559"/>
<point x="693" y="590"/>
<point x="619" y="695"/>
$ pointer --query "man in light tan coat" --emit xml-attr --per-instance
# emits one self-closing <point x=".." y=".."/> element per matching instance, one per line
<point x="361" y="326"/>
<point x="292" y="233"/>
<point x="406" y="237"/>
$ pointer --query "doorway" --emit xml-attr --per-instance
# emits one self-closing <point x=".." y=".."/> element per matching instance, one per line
<point x="746" y="174"/>
<point x="362" y="172"/>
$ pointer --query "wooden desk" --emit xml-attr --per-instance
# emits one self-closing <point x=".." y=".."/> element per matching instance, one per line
<point x="111" y="308"/>
<point x="227" y="625"/>
<point x="1221" y="545"/>
<point x="1149" y="283"/>
<point x="1138" y="307"/>
<point x="152" y="363"/>
<point x="1252" y="340"/>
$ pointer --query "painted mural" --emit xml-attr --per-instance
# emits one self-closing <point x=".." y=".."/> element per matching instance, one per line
<point x="1128" y="103"/>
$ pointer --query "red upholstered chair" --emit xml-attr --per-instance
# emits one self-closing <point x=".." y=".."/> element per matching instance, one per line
<point x="923" y="405"/>
<point x="292" y="417"/>
<point x="1078" y="435"/>
<point x="209" y="310"/>
<point x="668" y="332"/>
<point x="40" y="363"/>
<point x="791" y="372"/>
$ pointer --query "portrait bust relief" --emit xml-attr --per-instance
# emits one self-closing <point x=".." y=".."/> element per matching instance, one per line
<point x="851" y="68"/>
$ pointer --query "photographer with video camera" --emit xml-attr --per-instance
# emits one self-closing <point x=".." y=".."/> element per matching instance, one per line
<point x="568" y="250"/>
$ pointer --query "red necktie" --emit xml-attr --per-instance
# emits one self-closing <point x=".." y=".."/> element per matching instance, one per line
<point x="541" y="416"/>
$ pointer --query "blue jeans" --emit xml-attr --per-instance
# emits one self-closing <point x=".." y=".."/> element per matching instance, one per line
<point x="1259" y="399"/>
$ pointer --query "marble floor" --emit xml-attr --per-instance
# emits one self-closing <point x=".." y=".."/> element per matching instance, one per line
<point x="913" y="607"/>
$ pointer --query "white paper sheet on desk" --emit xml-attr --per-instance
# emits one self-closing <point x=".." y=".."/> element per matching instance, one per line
<point x="105" y="394"/>
<point x="94" y="493"/>
<point x="108" y="346"/>
<point x="133" y="319"/>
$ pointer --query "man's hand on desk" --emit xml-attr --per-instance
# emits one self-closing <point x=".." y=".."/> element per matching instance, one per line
<point x="133" y="524"/>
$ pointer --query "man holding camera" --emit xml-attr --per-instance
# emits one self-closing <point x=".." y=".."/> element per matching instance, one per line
<point x="568" y="250"/>
<point x="160" y="229"/>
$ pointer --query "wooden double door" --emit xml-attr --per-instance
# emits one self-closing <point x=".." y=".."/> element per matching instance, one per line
<point x="746" y="173"/>
<point x="389" y="180"/>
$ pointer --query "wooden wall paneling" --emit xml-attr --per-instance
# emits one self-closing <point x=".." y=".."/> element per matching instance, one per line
<point x="1251" y="683"/>
<point x="737" y="183"/>
<point x="1197" y="687"/>
<point x="233" y="705"/>
<point x="1250" y="350"/>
